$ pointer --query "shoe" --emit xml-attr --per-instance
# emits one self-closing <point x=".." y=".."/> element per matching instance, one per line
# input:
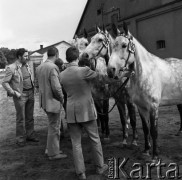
<point x="21" y="143"/>
<point x="58" y="156"/>
<point x="46" y="152"/>
<point x="33" y="139"/>
<point x="102" y="169"/>
<point x="82" y="176"/>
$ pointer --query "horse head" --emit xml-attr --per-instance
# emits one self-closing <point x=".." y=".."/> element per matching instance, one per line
<point x="80" y="43"/>
<point x="99" y="44"/>
<point x="123" y="51"/>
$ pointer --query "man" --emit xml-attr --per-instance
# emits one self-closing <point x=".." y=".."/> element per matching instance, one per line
<point x="51" y="100"/>
<point x="81" y="111"/>
<point x="18" y="84"/>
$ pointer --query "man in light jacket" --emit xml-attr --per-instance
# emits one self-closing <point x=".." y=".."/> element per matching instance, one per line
<point x="51" y="100"/>
<point x="81" y="111"/>
<point x="19" y="84"/>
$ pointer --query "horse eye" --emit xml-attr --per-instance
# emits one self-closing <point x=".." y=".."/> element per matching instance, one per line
<point x="86" y="44"/>
<point x="100" y="40"/>
<point x="124" y="46"/>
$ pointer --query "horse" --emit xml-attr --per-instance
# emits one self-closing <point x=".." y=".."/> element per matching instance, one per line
<point x="155" y="82"/>
<point x="100" y="46"/>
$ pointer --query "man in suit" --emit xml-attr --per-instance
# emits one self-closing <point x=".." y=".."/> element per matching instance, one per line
<point x="81" y="111"/>
<point x="51" y="100"/>
<point x="18" y="84"/>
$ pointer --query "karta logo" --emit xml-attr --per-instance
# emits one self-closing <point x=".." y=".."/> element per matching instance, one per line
<point x="117" y="170"/>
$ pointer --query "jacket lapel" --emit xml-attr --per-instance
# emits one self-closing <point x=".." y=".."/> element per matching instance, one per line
<point x="19" y="70"/>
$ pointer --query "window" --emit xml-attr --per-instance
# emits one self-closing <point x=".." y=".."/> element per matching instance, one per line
<point x="99" y="11"/>
<point x="161" y="44"/>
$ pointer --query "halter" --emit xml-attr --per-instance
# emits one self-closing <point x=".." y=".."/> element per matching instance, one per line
<point x="131" y="50"/>
<point x="105" y="44"/>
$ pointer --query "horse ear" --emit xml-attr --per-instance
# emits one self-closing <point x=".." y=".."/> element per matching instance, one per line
<point x="103" y="28"/>
<point x="85" y="33"/>
<point x="125" y="28"/>
<point x="107" y="33"/>
<point x="75" y="37"/>
<point x="114" y="29"/>
<point x="98" y="29"/>
<point x="118" y="32"/>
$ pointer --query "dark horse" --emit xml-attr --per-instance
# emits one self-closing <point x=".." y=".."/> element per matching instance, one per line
<point x="100" y="46"/>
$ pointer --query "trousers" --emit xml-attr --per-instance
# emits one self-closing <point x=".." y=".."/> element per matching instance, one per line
<point x="24" y="115"/>
<point x="53" y="137"/>
<point x="75" y="130"/>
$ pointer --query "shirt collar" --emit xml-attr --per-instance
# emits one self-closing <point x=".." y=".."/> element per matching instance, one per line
<point x="48" y="60"/>
<point x="73" y="64"/>
<point x="19" y="64"/>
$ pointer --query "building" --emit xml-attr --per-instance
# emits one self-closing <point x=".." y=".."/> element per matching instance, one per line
<point x="155" y="23"/>
<point x="61" y="46"/>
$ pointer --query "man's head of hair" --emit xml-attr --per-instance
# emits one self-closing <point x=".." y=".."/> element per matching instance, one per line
<point x="52" y="51"/>
<point x="59" y="63"/>
<point x="72" y="54"/>
<point x="20" y="52"/>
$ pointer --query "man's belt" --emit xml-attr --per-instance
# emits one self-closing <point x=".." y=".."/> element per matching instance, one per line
<point x="27" y="89"/>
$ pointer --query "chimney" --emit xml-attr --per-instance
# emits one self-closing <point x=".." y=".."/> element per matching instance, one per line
<point x="41" y="46"/>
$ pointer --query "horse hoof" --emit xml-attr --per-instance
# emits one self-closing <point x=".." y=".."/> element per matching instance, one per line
<point x="106" y="140"/>
<point x="146" y="153"/>
<point x="124" y="143"/>
<point x="179" y="133"/>
<point x="134" y="143"/>
<point x="155" y="160"/>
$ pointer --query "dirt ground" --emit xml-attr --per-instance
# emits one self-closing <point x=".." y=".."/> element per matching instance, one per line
<point x="30" y="162"/>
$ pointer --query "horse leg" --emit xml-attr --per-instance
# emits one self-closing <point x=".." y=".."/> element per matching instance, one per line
<point x="132" y="115"/>
<point x="144" y="115"/>
<point x="122" y="113"/>
<point x="100" y="119"/>
<point x="154" y="130"/>
<point x="106" y="119"/>
<point x="179" y="106"/>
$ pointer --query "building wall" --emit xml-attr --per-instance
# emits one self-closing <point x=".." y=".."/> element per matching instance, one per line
<point x="148" y="20"/>
<point x="62" y="52"/>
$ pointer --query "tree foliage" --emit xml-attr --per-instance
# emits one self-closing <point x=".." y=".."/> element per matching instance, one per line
<point x="9" y="54"/>
<point x="3" y="60"/>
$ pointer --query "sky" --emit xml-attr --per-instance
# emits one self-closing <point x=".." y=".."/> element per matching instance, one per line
<point x="30" y="23"/>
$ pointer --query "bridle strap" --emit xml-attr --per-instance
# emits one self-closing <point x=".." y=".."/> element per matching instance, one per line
<point x="104" y="44"/>
<point x="117" y="100"/>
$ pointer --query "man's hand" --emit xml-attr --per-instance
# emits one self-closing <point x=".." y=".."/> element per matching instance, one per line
<point x="17" y="94"/>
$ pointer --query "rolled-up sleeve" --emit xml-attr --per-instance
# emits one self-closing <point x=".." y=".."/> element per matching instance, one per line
<point x="6" y="81"/>
<point x="56" y="86"/>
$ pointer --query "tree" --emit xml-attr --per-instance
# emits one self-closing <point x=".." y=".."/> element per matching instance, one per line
<point x="9" y="54"/>
<point x="3" y="60"/>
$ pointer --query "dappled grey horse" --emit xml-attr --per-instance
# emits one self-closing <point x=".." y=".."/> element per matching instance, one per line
<point x="156" y="82"/>
<point x="101" y="46"/>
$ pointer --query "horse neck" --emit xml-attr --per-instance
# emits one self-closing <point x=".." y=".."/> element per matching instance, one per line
<point x="143" y="60"/>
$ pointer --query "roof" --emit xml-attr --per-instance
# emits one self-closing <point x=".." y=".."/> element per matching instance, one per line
<point x="35" y="54"/>
<point x="43" y="50"/>
<point x="81" y="19"/>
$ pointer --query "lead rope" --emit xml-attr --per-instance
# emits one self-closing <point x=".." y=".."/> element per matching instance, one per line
<point x="120" y="88"/>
